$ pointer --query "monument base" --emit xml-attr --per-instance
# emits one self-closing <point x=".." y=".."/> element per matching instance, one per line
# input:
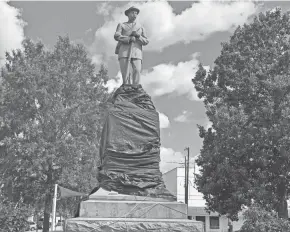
<point x="110" y="211"/>
<point x="133" y="209"/>
<point x="105" y="204"/>
<point x="132" y="225"/>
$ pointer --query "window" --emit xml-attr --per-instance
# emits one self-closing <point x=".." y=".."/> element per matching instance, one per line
<point x="214" y="222"/>
<point x="201" y="219"/>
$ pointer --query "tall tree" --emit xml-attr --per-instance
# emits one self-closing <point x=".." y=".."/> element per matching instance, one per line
<point x="245" y="154"/>
<point x="51" y="113"/>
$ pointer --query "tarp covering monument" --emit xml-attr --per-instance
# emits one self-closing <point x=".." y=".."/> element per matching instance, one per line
<point x="130" y="146"/>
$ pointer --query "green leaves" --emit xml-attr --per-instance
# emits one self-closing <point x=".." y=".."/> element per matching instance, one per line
<point x="259" y="220"/>
<point x="13" y="217"/>
<point x="246" y="95"/>
<point x="51" y="118"/>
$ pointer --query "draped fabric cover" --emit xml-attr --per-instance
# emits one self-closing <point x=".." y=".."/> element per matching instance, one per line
<point x="130" y="146"/>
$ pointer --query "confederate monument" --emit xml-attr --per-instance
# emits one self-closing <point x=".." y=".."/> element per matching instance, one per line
<point x="130" y="145"/>
<point x="131" y="195"/>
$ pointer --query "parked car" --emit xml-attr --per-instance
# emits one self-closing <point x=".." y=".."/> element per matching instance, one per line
<point x="31" y="226"/>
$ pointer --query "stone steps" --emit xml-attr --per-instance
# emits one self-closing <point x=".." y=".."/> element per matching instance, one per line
<point x="110" y="212"/>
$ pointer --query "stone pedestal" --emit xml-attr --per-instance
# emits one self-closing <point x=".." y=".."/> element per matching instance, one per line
<point x="116" y="213"/>
<point x="132" y="209"/>
<point x="132" y="225"/>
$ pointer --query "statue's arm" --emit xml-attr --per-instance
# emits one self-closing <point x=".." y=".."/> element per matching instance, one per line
<point x="118" y="35"/>
<point x="143" y="37"/>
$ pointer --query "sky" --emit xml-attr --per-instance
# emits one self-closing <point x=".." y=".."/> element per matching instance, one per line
<point x="181" y="35"/>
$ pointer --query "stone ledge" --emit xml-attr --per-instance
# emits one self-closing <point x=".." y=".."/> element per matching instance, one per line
<point x="120" y="197"/>
<point x="132" y="225"/>
<point x="102" y="194"/>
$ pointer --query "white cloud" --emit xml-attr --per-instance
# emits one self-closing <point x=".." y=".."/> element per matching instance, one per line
<point x="115" y="83"/>
<point x="165" y="28"/>
<point x="97" y="59"/>
<point x="104" y="8"/>
<point x="172" y="79"/>
<point x="184" y="117"/>
<point x="165" y="79"/>
<point x="164" y="120"/>
<point x="88" y="31"/>
<point x="170" y="159"/>
<point x="208" y="124"/>
<point x="11" y="29"/>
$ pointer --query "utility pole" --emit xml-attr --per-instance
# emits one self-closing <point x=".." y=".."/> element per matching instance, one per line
<point x="194" y="175"/>
<point x="185" y="181"/>
<point x="187" y="175"/>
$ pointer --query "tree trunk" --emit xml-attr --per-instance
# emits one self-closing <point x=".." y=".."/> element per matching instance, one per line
<point x="46" y="213"/>
<point x="37" y="218"/>
<point x="282" y="208"/>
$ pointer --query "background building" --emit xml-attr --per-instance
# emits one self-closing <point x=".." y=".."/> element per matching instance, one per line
<point x="175" y="183"/>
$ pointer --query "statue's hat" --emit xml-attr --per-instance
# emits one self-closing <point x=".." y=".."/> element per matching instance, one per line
<point x="132" y="8"/>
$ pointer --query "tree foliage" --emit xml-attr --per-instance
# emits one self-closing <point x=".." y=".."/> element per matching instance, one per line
<point x="258" y="219"/>
<point x="50" y="121"/>
<point x="13" y="216"/>
<point x="245" y="154"/>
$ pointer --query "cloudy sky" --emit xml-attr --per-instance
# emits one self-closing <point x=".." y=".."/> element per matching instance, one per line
<point x="181" y="35"/>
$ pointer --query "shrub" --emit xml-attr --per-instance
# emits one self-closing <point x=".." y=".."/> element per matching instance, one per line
<point x="13" y="217"/>
<point x="258" y="219"/>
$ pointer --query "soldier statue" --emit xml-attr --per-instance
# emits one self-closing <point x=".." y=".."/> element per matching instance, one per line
<point x="130" y="142"/>
<point x="131" y="37"/>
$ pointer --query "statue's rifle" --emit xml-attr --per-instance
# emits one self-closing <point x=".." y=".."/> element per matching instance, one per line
<point x="128" y="62"/>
